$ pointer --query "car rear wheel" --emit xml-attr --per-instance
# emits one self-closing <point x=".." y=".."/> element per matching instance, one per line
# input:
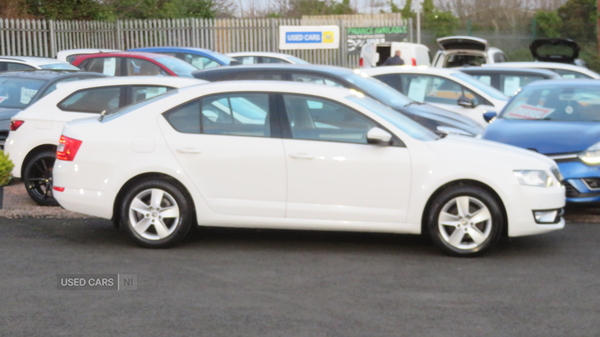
<point x="156" y="214"/>
<point x="37" y="177"/>
<point x="465" y="221"/>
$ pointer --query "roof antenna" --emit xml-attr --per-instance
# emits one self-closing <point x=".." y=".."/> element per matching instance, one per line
<point x="102" y="114"/>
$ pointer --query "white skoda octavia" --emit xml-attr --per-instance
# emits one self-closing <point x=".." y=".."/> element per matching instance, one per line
<point x="298" y="156"/>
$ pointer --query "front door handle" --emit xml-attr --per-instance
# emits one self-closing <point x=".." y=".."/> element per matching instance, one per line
<point x="302" y="155"/>
<point x="190" y="150"/>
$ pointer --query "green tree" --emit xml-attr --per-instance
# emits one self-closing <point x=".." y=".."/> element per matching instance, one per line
<point x="442" y="23"/>
<point x="68" y="10"/>
<point x="548" y="23"/>
<point x="407" y="10"/>
<point x="579" y="19"/>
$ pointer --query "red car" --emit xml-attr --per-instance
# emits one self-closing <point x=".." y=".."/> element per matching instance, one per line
<point x="134" y="64"/>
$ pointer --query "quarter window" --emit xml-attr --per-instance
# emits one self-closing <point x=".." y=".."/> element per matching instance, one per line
<point x="319" y="119"/>
<point x="185" y="118"/>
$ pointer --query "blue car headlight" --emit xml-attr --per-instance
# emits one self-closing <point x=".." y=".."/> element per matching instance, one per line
<point x="537" y="178"/>
<point x="591" y="155"/>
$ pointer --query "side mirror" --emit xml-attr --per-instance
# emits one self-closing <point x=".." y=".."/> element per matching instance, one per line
<point x="378" y="136"/>
<point x="465" y="102"/>
<point x="489" y="116"/>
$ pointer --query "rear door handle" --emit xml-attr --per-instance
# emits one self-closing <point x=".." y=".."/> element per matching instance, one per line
<point x="190" y="150"/>
<point x="302" y="155"/>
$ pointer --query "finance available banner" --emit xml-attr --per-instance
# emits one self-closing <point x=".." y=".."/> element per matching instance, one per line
<point x="309" y="37"/>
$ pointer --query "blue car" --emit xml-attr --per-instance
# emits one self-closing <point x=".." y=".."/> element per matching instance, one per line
<point x="561" y="119"/>
<point x="198" y="57"/>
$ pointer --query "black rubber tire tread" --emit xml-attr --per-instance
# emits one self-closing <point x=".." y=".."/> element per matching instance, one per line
<point x="43" y="160"/>
<point x="185" y="213"/>
<point x="471" y="191"/>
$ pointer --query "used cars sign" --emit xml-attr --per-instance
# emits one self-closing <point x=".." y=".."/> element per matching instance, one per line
<point x="309" y="37"/>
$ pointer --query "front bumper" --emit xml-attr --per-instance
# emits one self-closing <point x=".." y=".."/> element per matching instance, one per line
<point x="582" y="182"/>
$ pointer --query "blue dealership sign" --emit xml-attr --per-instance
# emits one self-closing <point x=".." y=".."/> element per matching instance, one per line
<point x="303" y="37"/>
<point x="309" y="37"/>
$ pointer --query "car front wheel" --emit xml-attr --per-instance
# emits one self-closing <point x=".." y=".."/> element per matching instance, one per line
<point x="156" y="214"/>
<point x="465" y="221"/>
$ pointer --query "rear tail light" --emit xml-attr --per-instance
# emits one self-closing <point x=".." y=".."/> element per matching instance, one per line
<point x="14" y="125"/>
<point x="67" y="148"/>
<point x="361" y="62"/>
<point x="414" y="61"/>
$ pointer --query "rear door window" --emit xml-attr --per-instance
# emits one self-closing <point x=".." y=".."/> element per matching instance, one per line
<point x="93" y="100"/>
<point x="110" y="66"/>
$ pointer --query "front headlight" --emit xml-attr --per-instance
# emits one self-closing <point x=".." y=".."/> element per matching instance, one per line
<point x="591" y="155"/>
<point x="533" y="178"/>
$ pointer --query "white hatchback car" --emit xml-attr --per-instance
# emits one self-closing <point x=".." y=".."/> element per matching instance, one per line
<point x="264" y="57"/>
<point x="449" y="89"/>
<point x="566" y="71"/>
<point x="458" y="51"/>
<point x="34" y="132"/>
<point x="295" y="156"/>
<point x="18" y="63"/>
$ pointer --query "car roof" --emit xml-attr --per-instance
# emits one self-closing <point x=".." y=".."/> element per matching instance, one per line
<point x="579" y="82"/>
<point x="314" y="68"/>
<point x="48" y="74"/>
<point x="259" y="53"/>
<point x="172" y="81"/>
<point x="200" y="51"/>
<point x="33" y="60"/>
<point x="125" y="54"/>
<point x="410" y="69"/>
<point x="546" y="65"/>
<point x="504" y="70"/>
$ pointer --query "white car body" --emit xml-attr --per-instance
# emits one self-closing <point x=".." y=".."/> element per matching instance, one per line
<point x="44" y="120"/>
<point x="69" y="54"/>
<point x="424" y="87"/>
<point x="566" y="71"/>
<point x="415" y="54"/>
<point x="273" y="182"/>
<point x="16" y="63"/>
<point x="251" y="58"/>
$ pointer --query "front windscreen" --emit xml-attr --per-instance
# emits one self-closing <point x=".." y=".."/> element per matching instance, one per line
<point x="407" y="125"/>
<point x="378" y="90"/>
<point x="17" y="93"/>
<point x="487" y="89"/>
<point x="555" y="103"/>
<point x="179" y="67"/>
<point x="59" y="66"/>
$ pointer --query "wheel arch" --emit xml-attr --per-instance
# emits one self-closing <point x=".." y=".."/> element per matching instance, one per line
<point x="146" y="176"/>
<point x="33" y="152"/>
<point x="464" y="182"/>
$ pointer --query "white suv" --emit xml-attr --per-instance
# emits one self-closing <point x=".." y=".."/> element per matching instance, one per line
<point x="458" y="51"/>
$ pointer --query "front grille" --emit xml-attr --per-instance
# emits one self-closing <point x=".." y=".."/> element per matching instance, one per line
<point x="571" y="191"/>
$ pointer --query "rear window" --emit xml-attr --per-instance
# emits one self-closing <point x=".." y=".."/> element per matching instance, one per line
<point x="18" y="92"/>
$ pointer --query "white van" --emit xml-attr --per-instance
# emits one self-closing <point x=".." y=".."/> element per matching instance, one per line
<point x="373" y="55"/>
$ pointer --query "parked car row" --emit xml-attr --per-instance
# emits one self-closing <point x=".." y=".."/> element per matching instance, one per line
<point x="388" y="149"/>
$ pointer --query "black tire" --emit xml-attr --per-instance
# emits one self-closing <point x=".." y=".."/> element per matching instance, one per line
<point x="148" y="215"/>
<point x="465" y="234"/>
<point x="37" y="177"/>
